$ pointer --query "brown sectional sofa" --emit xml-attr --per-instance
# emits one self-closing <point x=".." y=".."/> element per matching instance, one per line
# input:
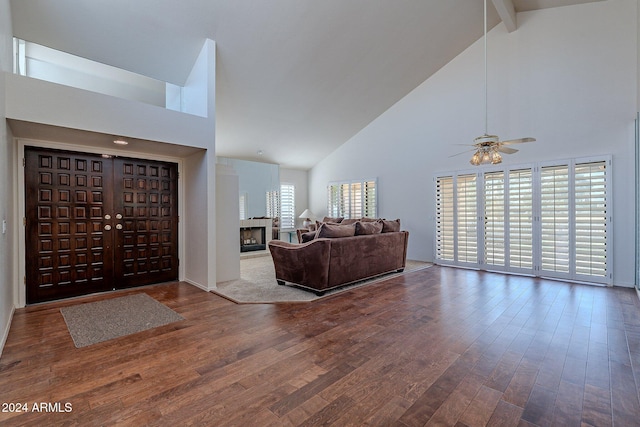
<point x="327" y="263"/>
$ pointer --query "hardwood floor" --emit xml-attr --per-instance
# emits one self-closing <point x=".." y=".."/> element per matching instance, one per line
<point x="440" y="346"/>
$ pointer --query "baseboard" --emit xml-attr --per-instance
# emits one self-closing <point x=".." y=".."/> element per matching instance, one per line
<point x="5" y="334"/>
<point x="197" y="285"/>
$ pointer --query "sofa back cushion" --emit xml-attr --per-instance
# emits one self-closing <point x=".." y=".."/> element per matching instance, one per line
<point x="390" y="226"/>
<point x="335" y="230"/>
<point x="335" y="220"/>
<point x="368" y="227"/>
<point x="349" y="221"/>
<point x="308" y="236"/>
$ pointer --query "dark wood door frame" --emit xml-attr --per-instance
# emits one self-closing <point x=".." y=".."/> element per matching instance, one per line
<point x="95" y="224"/>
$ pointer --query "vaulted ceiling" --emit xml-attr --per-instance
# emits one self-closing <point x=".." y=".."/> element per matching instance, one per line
<point x="295" y="78"/>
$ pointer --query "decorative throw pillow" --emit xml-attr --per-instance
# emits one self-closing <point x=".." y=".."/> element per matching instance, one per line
<point x="365" y="219"/>
<point x="368" y="227"/>
<point x="336" y="220"/>
<point x="335" y="230"/>
<point x="308" y="236"/>
<point x="390" y="226"/>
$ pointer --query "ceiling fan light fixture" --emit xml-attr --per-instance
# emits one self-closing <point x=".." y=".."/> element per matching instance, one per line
<point x="475" y="159"/>
<point x="495" y="157"/>
<point x="486" y="157"/>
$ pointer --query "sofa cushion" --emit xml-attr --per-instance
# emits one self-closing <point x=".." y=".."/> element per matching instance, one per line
<point x="335" y="220"/>
<point x="335" y="230"/>
<point x="368" y="227"/>
<point x="366" y="219"/>
<point x="349" y="221"/>
<point x="308" y="236"/>
<point x="390" y="226"/>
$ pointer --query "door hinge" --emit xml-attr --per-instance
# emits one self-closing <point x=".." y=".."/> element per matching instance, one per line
<point x="24" y="279"/>
<point x="24" y="221"/>
<point x="24" y="162"/>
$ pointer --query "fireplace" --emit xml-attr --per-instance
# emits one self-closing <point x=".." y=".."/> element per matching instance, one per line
<point x="252" y="239"/>
<point x="255" y="235"/>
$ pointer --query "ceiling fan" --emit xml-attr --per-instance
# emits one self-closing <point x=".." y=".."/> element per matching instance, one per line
<point x="488" y="147"/>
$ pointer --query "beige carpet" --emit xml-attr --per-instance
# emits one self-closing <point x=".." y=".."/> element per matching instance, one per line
<point x="95" y="322"/>
<point x="257" y="284"/>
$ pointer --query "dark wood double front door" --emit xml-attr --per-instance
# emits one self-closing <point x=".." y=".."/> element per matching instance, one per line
<point x="96" y="223"/>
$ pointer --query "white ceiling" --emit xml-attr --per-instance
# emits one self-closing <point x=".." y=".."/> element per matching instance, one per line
<point x="295" y="78"/>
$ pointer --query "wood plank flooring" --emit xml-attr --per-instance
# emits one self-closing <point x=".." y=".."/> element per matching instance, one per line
<point x="439" y="346"/>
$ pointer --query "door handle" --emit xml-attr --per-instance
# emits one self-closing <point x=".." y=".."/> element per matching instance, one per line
<point x="118" y="216"/>
<point x="118" y="226"/>
<point x="107" y="227"/>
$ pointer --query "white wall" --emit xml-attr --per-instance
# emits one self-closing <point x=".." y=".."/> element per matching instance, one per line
<point x="44" y="102"/>
<point x="300" y="180"/>
<point x="227" y="224"/>
<point x="197" y="257"/>
<point x="59" y="67"/>
<point x="39" y="101"/>
<point x="6" y="182"/>
<point x="568" y="77"/>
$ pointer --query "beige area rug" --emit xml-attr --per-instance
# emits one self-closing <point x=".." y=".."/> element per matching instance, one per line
<point x="257" y="283"/>
<point x="95" y="322"/>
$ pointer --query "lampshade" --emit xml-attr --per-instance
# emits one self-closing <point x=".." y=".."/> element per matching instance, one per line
<point x="307" y="214"/>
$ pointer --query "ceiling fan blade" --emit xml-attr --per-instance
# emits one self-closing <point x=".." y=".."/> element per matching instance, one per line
<point x="466" y="151"/>
<point x="507" y="150"/>
<point x="518" y="141"/>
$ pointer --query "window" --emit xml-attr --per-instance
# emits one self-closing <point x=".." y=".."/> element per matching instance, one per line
<point x="554" y="218"/>
<point x="550" y="220"/>
<point x="243" y="206"/>
<point x="445" y="218"/>
<point x="287" y="206"/>
<point x="520" y="219"/>
<point x="494" y="220"/>
<point x="467" y="235"/>
<point x="353" y="199"/>
<point x="590" y="180"/>
<point x="273" y="204"/>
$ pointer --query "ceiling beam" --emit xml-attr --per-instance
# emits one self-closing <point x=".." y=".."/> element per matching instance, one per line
<point x="507" y="12"/>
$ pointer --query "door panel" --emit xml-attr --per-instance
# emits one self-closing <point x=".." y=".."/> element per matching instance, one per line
<point x="75" y="242"/>
<point x="68" y="251"/>
<point x="146" y="244"/>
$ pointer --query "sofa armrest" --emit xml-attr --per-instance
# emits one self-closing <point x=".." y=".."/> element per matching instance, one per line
<point x="305" y="264"/>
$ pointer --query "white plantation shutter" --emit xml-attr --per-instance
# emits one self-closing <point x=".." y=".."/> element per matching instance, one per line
<point x="287" y="206"/>
<point x="370" y="200"/>
<point x="243" y="206"/>
<point x="355" y="208"/>
<point x="554" y="218"/>
<point x="467" y="216"/>
<point x="520" y="207"/>
<point x="344" y="203"/>
<point x="551" y="220"/>
<point x="591" y="219"/>
<point x="494" y="219"/>
<point x="445" y="243"/>
<point x="333" y="200"/>
<point x="273" y="204"/>
<point x="353" y="199"/>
